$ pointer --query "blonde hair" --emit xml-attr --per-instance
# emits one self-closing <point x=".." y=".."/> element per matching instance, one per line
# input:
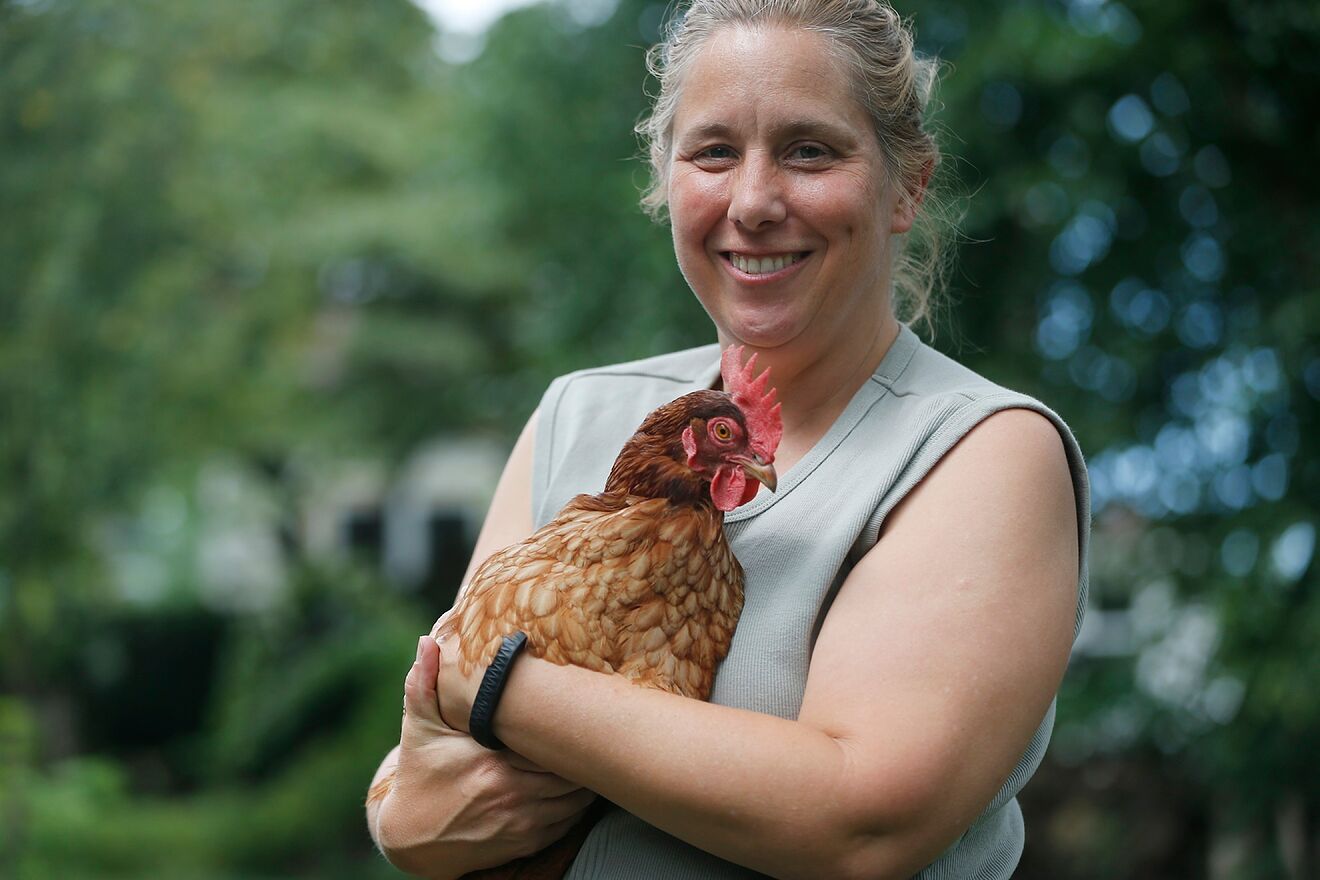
<point x="891" y="81"/>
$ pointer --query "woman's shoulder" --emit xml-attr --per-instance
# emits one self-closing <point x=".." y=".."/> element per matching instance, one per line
<point x="586" y="416"/>
<point x="929" y="373"/>
<point x="627" y="391"/>
<point x="680" y="367"/>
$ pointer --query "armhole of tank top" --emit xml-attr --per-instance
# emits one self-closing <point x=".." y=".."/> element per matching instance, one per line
<point x="543" y="450"/>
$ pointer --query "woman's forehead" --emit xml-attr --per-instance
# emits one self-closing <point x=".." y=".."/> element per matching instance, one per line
<point x="787" y="79"/>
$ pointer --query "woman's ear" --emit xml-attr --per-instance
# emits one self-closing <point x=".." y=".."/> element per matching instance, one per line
<point x="907" y="204"/>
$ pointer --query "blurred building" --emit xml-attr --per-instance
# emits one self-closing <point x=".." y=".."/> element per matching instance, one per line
<point x="418" y="523"/>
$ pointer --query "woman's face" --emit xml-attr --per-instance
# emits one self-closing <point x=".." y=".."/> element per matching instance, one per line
<point x="777" y="193"/>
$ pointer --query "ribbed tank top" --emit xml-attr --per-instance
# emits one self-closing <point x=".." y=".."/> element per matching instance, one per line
<point x="796" y="546"/>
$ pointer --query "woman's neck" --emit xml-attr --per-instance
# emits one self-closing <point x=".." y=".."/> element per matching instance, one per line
<point x="816" y="386"/>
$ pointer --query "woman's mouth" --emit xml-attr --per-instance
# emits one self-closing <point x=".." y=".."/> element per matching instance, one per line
<point x="764" y="267"/>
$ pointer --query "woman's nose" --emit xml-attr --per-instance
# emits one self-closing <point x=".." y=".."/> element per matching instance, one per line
<point x="757" y="198"/>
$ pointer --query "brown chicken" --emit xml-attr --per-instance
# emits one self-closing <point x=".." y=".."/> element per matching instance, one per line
<point x="638" y="580"/>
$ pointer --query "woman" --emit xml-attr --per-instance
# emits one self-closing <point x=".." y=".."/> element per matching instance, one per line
<point x="914" y="586"/>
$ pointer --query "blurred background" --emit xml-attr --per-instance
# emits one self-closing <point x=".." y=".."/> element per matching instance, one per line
<point x="282" y="278"/>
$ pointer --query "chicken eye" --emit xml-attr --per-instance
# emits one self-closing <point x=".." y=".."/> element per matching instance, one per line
<point x="722" y="431"/>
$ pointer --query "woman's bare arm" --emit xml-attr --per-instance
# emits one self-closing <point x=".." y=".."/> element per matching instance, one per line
<point x="934" y="667"/>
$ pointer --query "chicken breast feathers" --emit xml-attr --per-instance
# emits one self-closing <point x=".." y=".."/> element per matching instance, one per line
<point x="636" y="586"/>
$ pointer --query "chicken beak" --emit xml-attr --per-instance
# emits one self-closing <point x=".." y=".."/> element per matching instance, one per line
<point x="760" y="470"/>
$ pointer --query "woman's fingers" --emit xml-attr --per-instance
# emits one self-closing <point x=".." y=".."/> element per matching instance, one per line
<point x="548" y="834"/>
<point x="546" y="821"/>
<point x="546" y="785"/>
<point x="567" y="806"/>
<point x="421" y="708"/>
<point x="457" y="685"/>
<point x="419" y="685"/>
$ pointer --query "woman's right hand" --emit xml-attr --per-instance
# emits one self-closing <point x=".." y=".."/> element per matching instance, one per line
<point x="455" y="806"/>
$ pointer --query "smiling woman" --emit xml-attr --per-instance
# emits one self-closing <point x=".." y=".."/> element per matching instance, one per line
<point x="912" y="588"/>
<point x="872" y="57"/>
<point x="781" y="205"/>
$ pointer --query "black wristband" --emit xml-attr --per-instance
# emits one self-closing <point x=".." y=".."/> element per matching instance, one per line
<point x="492" y="686"/>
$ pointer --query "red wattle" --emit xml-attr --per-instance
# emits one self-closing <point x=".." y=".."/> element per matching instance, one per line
<point x="728" y="486"/>
<point x="753" y="486"/>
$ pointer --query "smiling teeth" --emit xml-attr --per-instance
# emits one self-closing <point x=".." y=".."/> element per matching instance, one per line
<point x="762" y="265"/>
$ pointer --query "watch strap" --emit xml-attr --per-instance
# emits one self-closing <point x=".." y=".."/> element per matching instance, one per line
<point x="492" y="687"/>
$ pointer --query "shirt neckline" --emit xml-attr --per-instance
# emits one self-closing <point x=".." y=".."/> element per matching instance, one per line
<point x="887" y="372"/>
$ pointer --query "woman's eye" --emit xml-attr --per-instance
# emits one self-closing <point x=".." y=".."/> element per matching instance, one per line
<point x="716" y="153"/>
<point x="808" y="152"/>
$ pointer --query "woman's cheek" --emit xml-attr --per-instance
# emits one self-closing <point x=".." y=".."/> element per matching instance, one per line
<point x="697" y="199"/>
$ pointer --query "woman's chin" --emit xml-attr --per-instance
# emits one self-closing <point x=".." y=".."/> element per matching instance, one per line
<point x="761" y="334"/>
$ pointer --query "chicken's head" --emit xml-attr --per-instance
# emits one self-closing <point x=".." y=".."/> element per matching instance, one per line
<point x="731" y="447"/>
<point x="705" y="443"/>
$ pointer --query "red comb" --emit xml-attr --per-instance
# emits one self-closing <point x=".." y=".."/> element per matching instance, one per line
<point x="759" y="408"/>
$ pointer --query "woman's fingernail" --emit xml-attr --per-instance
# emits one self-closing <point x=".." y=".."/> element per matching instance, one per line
<point x="421" y="646"/>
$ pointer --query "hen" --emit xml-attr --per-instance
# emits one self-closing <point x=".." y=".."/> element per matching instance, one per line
<point x="638" y="580"/>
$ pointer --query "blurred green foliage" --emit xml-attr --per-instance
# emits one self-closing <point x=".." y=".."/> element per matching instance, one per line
<point x="275" y="237"/>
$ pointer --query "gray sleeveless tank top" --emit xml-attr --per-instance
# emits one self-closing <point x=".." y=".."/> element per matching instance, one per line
<point x="796" y="546"/>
